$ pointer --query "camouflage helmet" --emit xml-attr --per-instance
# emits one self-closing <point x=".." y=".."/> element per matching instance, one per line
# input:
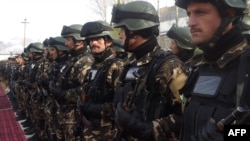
<point x="58" y="42"/>
<point x="237" y="4"/>
<point x="135" y="15"/>
<point x="182" y="36"/>
<point x="73" y="30"/>
<point x="36" y="47"/>
<point x="97" y="29"/>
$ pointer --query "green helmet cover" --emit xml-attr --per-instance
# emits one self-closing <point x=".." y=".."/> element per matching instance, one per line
<point x="97" y="29"/>
<point x="135" y="15"/>
<point x="36" y="47"/>
<point x="182" y="36"/>
<point x="58" y="42"/>
<point x="73" y="30"/>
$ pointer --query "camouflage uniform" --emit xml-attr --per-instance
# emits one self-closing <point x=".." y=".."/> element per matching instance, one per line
<point x="148" y="99"/>
<point x="19" y="90"/>
<point x="67" y="87"/>
<point x="218" y="86"/>
<point x="96" y="103"/>
<point x="35" y="92"/>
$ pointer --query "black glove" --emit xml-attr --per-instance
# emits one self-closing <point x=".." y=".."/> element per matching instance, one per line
<point x="28" y="84"/>
<point x="89" y="108"/>
<point x="77" y="129"/>
<point x="132" y="123"/>
<point x="57" y="91"/>
<point x="210" y="132"/>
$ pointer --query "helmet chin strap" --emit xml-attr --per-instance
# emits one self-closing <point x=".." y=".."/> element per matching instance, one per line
<point x="128" y="37"/>
<point x="211" y="43"/>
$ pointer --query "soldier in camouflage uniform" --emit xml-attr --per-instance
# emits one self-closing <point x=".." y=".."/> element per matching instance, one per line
<point x="13" y="76"/>
<point x="149" y="106"/>
<point x="67" y="87"/>
<point x="96" y="102"/>
<point x="35" y="98"/>
<point x="24" y="101"/>
<point x="219" y="84"/>
<point x="18" y="88"/>
<point x="59" y="55"/>
<point x="43" y="77"/>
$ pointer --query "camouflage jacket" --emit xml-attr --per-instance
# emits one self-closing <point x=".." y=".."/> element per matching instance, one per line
<point x="159" y="98"/>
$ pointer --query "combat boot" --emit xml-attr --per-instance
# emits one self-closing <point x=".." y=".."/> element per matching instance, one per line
<point x="20" y="117"/>
<point x="29" y="131"/>
<point x="26" y="123"/>
<point x="33" y="138"/>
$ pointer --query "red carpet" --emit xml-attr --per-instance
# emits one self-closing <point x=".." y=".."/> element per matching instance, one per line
<point x="4" y="102"/>
<point x="10" y="129"/>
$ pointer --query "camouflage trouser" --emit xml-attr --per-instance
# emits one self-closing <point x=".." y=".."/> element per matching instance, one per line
<point x="67" y="120"/>
<point x="20" y="98"/>
<point x="39" y="118"/>
<point x="50" y="118"/>
<point x="101" y="132"/>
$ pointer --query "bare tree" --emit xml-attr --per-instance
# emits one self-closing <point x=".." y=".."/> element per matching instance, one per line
<point x="100" y="6"/>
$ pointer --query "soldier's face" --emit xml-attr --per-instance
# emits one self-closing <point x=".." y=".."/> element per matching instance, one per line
<point x="131" y="42"/>
<point x="204" y="20"/>
<point x="70" y="43"/>
<point x="53" y="53"/>
<point x="98" y="45"/>
<point x="174" y="47"/>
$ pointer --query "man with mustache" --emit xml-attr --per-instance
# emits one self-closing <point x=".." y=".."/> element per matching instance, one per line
<point x="212" y="87"/>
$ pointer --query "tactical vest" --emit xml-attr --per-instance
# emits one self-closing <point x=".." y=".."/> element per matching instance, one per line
<point x="96" y="86"/>
<point x="214" y="93"/>
<point x="138" y="88"/>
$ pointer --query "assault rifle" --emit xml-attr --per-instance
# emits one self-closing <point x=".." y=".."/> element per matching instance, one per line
<point x="128" y="104"/>
<point x="59" y="80"/>
<point x="83" y="120"/>
<point x="238" y="116"/>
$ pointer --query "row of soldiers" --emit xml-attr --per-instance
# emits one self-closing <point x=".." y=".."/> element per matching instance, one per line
<point x="78" y="87"/>
<point x="69" y="87"/>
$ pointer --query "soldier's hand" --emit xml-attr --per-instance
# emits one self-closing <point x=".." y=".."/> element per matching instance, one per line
<point x="132" y="123"/>
<point x="57" y="91"/>
<point x="210" y="132"/>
